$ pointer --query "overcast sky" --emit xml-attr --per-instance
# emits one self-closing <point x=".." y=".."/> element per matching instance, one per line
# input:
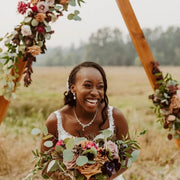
<point x="97" y="14"/>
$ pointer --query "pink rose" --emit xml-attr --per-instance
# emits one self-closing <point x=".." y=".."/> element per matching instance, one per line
<point x="26" y="30"/>
<point x="113" y="149"/>
<point x="42" y="7"/>
<point x="22" y="7"/>
<point x="90" y="145"/>
<point x="59" y="143"/>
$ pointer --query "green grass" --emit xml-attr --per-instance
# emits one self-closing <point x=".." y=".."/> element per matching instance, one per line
<point x="128" y="89"/>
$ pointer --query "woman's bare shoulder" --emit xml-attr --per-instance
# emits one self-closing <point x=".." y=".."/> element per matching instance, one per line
<point x="120" y="122"/>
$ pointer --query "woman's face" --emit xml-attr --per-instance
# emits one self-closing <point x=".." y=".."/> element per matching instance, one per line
<point x="89" y="88"/>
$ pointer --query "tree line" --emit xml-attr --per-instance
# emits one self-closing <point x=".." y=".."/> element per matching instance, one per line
<point x="109" y="46"/>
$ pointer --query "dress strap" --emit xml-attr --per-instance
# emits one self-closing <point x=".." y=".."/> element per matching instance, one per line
<point x="111" y="120"/>
<point x="62" y="134"/>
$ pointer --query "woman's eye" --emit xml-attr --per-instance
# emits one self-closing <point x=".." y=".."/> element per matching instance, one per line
<point x="87" y="85"/>
<point x="101" y="87"/>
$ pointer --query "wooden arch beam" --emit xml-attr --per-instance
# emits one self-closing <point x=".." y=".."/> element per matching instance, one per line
<point x="140" y="43"/>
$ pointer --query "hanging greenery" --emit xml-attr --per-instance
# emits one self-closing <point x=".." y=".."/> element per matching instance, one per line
<point x="29" y="39"/>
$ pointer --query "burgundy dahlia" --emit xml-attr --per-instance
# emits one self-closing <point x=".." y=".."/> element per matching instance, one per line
<point x="22" y="7"/>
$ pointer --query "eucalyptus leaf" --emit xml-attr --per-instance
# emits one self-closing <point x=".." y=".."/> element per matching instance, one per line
<point x="45" y="131"/>
<point x="81" y="160"/>
<point x="79" y="139"/>
<point x="48" y="28"/>
<point x="52" y="166"/>
<point x="76" y="12"/>
<point x="129" y="163"/>
<point x="134" y="155"/>
<point x="107" y="133"/>
<point x="76" y="18"/>
<point x="34" y="22"/>
<point x="48" y="36"/>
<point x="70" y="144"/>
<point x="27" y="19"/>
<point x="48" y="144"/>
<point x="70" y="16"/>
<point x="35" y="131"/>
<point x="68" y="155"/>
<point x="72" y="3"/>
<point x="59" y="149"/>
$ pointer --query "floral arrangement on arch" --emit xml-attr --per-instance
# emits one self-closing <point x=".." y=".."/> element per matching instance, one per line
<point x="166" y="100"/>
<point x="81" y="159"/>
<point x="28" y="39"/>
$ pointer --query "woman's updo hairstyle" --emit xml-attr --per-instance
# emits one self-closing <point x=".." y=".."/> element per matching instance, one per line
<point x="68" y="96"/>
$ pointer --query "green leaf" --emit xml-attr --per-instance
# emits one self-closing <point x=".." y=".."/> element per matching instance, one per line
<point x="35" y="131"/>
<point x="79" y="139"/>
<point x="52" y="166"/>
<point x="59" y="149"/>
<point x="134" y="155"/>
<point x="1" y="50"/>
<point x="68" y="155"/>
<point x="45" y="131"/>
<point x="107" y="133"/>
<point x="76" y="18"/>
<point x="70" y="144"/>
<point x="34" y="22"/>
<point x="143" y="132"/>
<point x="70" y="16"/>
<point x="72" y="3"/>
<point x="1" y="39"/>
<point x="91" y="150"/>
<point x="47" y="137"/>
<point x="48" y="28"/>
<point x="76" y="12"/>
<point x="81" y="160"/>
<point x="129" y="163"/>
<point x="48" y="144"/>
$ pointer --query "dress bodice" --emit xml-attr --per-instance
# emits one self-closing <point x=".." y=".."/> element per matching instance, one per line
<point x="62" y="134"/>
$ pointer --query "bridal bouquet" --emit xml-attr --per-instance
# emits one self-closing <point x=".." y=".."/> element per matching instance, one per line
<point x="80" y="158"/>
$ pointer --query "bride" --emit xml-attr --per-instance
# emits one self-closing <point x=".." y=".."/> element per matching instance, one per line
<point x="86" y="110"/>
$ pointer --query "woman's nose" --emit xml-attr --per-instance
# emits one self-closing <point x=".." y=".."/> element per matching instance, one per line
<point x="94" y="92"/>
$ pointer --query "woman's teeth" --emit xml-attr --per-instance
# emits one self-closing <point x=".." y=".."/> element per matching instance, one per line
<point x="92" y="101"/>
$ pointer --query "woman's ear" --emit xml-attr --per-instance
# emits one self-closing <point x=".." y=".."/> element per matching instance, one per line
<point x="72" y="89"/>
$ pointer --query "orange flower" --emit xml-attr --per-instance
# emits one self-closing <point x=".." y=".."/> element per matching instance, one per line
<point x="34" y="50"/>
<point x="40" y="17"/>
<point x="34" y="2"/>
<point x="63" y="2"/>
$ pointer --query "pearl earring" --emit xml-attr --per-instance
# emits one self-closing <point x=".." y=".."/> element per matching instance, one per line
<point x="74" y="96"/>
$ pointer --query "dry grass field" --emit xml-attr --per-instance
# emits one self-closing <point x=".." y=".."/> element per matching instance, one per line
<point x="128" y="89"/>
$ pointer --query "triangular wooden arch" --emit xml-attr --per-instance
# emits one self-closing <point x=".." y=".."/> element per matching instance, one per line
<point x="139" y="42"/>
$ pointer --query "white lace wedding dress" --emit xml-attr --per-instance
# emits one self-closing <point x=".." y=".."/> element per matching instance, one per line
<point x="62" y="134"/>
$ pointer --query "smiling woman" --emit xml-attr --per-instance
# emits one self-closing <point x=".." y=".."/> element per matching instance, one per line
<point x="86" y="111"/>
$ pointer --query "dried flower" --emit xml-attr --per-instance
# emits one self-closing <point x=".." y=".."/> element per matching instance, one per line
<point x="42" y="7"/>
<point x="26" y="30"/>
<point x="34" y="2"/>
<point x="71" y="164"/>
<point x="40" y="17"/>
<point x="40" y="29"/>
<point x="34" y="50"/>
<point x="22" y="7"/>
<point x="63" y="2"/>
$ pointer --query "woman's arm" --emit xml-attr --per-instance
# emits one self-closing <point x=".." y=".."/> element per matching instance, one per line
<point x="121" y="130"/>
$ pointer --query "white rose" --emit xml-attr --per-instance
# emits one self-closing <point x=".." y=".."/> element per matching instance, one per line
<point x="26" y="30"/>
<point x="42" y="7"/>
<point x="50" y="2"/>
